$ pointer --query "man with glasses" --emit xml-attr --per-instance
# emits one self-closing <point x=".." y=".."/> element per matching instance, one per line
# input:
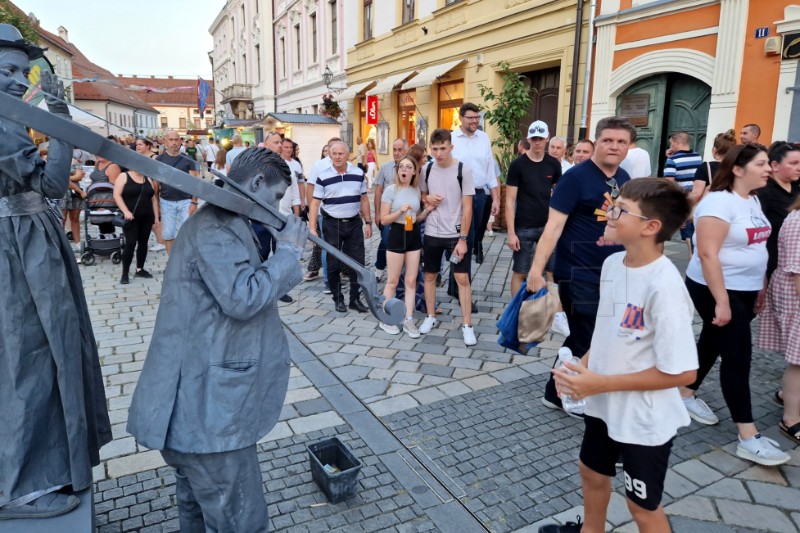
<point x="574" y="230"/>
<point x="472" y="147"/>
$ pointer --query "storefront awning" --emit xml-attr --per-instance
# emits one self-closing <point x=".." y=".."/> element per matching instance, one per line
<point x="389" y="84"/>
<point x="431" y="74"/>
<point x="354" y="90"/>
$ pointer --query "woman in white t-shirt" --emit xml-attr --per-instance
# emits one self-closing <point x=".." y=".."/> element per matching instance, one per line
<point x="724" y="278"/>
<point x="400" y="211"/>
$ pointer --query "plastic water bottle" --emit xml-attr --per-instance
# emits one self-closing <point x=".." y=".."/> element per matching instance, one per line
<point x="571" y="406"/>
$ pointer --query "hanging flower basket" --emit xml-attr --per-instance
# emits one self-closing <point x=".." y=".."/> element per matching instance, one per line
<point x="330" y="107"/>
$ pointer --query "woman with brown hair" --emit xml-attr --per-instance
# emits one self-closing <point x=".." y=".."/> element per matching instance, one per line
<point x="705" y="172"/>
<point x="724" y="278"/>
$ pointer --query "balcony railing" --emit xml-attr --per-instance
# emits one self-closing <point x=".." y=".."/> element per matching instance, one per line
<point x="237" y="91"/>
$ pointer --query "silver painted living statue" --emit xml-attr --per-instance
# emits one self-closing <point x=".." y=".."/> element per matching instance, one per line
<point x="217" y="370"/>
<point x="53" y="417"/>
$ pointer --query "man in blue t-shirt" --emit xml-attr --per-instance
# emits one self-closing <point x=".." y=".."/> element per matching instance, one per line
<point x="575" y="225"/>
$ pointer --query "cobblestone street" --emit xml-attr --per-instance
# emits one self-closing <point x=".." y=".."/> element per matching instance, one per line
<point x="451" y="438"/>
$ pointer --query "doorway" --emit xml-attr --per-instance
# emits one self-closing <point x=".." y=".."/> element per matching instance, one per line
<point x="676" y="103"/>
<point x="543" y="90"/>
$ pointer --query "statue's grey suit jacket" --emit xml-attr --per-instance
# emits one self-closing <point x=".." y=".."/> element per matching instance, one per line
<point x="217" y="370"/>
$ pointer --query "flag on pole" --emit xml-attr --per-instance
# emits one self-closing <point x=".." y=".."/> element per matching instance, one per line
<point x="203" y="88"/>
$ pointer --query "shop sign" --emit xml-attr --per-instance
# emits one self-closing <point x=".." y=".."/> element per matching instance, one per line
<point x="372" y="109"/>
<point x="791" y="46"/>
<point x="636" y="108"/>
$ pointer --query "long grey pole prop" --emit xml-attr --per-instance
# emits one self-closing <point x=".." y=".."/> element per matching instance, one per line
<point x="392" y="312"/>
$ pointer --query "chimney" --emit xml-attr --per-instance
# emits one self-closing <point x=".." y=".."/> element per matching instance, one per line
<point x="63" y="33"/>
<point x="169" y="77"/>
<point x="133" y="75"/>
<point x="152" y="76"/>
<point x="33" y="19"/>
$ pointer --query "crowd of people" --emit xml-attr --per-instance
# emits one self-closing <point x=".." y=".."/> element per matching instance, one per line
<point x="588" y="222"/>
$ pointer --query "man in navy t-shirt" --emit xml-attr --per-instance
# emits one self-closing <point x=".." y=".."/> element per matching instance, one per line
<point x="575" y="226"/>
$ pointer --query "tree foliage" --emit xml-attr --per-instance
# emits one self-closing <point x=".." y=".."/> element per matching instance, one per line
<point x="9" y="15"/>
<point x="506" y="109"/>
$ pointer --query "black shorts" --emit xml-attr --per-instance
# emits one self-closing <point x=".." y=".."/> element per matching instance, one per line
<point x="434" y="247"/>
<point x="401" y="241"/>
<point x="644" y="467"/>
<point x="523" y="258"/>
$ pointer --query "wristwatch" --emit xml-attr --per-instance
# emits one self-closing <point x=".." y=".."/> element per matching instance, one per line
<point x="367" y="222"/>
<point x="463" y="237"/>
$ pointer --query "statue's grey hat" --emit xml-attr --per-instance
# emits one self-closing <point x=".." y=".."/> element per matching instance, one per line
<point x="10" y="37"/>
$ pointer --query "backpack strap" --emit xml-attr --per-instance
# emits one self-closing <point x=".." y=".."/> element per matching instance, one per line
<point x="460" y="176"/>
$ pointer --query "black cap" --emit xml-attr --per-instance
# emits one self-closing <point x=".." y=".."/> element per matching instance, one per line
<point x="10" y="37"/>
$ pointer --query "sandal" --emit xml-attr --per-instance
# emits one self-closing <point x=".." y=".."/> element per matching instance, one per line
<point x="792" y="433"/>
<point x="777" y="398"/>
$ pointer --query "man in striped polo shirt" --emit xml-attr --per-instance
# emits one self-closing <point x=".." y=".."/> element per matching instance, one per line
<point x="342" y="191"/>
<point x="681" y="165"/>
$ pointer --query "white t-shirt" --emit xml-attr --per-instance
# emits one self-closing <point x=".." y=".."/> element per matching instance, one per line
<point x="565" y="165"/>
<point x="743" y="254"/>
<point x="292" y="195"/>
<point x="644" y="320"/>
<point x="637" y="163"/>
<point x="211" y="151"/>
<point x="398" y="197"/>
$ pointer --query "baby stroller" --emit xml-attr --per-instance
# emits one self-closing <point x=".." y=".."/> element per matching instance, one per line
<point x="100" y="211"/>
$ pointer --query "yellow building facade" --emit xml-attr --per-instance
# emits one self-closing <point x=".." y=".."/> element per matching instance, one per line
<point x="424" y="60"/>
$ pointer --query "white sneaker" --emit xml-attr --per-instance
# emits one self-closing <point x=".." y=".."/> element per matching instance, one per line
<point x="391" y="330"/>
<point x="762" y="450"/>
<point x="699" y="411"/>
<point x="157" y="247"/>
<point x="469" y="335"/>
<point x="560" y="324"/>
<point x="428" y="324"/>
<point x="410" y="328"/>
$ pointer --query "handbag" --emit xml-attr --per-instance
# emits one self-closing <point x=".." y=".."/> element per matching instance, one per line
<point x="119" y="218"/>
<point x="536" y="316"/>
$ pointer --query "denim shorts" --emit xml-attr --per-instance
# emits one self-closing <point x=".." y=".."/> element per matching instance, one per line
<point x="173" y="215"/>
<point x="523" y="258"/>
<point x="687" y="231"/>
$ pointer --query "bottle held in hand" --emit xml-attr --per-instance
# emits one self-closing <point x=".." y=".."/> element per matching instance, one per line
<point x="577" y="407"/>
<point x="409" y="222"/>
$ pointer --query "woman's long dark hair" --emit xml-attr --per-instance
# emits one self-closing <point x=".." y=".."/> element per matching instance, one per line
<point x="738" y="156"/>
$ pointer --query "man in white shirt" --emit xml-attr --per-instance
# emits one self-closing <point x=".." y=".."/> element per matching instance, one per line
<point x="637" y="162"/>
<point x="290" y="203"/>
<point x="472" y="147"/>
<point x="211" y="150"/>
<point x="558" y="149"/>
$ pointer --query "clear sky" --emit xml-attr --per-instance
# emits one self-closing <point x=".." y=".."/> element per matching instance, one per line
<point x="143" y="37"/>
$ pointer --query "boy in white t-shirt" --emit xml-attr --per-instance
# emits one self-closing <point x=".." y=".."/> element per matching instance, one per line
<point x="642" y="350"/>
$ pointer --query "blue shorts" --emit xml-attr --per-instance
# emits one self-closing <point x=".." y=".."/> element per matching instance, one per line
<point x="687" y="231"/>
<point x="173" y="215"/>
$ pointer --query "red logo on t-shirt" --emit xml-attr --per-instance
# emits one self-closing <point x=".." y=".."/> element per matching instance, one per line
<point x="758" y="235"/>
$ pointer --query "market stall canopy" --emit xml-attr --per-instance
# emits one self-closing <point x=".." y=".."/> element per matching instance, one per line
<point x="354" y="90"/>
<point x="431" y="74"/>
<point x="80" y="116"/>
<point x="391" y="83"/>
<point x="272" y="119"/>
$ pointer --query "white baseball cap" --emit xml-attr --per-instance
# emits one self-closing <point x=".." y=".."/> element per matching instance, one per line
<point x="538" y="128"/>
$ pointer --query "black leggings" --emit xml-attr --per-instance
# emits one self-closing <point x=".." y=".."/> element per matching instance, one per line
<point x="137" y="233"/>
<point x="731" y="342"/>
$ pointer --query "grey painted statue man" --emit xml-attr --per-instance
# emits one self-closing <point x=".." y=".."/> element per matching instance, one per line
<point x="217" y="370"/>
<point x="53" y="417"/>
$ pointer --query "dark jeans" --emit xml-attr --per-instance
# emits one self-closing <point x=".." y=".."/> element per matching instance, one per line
<point x="219" y="492"/>
<point x="137" y="233"/>
<point x="731" y="342"/>
<point x="380" y="258"/>
<point x="579" y="300"/>
<point x="481" y="211"/>
<point x="266" y="243"/>
<point x="348" y="236"/>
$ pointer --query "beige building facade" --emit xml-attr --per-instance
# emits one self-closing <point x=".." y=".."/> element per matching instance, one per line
<point x="424" y="58"/>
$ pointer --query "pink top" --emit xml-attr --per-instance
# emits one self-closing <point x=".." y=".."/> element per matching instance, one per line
<point x="370" y="156"/>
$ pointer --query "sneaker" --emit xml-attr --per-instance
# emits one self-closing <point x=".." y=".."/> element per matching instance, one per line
<point x="142" y="273"/>
<point x="469" y="335"/>
<point x="157" y="247"/>
<point x="428" y="324"/>
<point x="326" y="289"/>
<point x="569" y="527"/>
<point x="311" y="276"/>
<point x="560" y="324"/>
<point x="762" y="450"/>
<point x="391" y="330"/>
<point x="410" y="328"/>
<point x="76" y="247"/>
<point x="124" y="279"/>
<point x="699" y="411"/>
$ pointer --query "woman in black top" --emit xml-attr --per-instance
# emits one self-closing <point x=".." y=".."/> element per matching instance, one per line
<point x="782" y="189"/>
<point x="705" y="172"/>
<point x="136" y="198"/>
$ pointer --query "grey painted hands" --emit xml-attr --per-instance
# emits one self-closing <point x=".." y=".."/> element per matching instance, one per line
<point x="292" y="237"/>
<point x="53" y="87"/>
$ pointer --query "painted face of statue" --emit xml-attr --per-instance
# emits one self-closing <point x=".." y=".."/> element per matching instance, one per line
<point x="14" y="68"/>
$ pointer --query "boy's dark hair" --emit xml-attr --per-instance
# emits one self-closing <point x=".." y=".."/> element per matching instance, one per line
<point x="441" y="135"/>
<point x="661" y="200"/>
<point x="260" y="161"/>
<point x="468" y="106"/>
<point x="615" y="123"/>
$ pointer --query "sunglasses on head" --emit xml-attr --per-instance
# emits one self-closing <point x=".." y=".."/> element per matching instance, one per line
<point x="537" y="129"/>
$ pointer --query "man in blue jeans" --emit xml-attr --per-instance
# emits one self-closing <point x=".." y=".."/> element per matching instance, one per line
<point x="175" y="206"/>
<point x="386" y="177"/>
<point x="574" y="230"/>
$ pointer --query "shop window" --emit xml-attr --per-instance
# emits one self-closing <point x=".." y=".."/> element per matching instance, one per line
<point x="451" y="96"/>
<point x="408" y="11"/>
<point x="407" y="116"/>
<point x="164" y="122"/>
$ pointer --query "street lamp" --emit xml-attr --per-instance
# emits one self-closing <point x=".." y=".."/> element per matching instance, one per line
<point x="327" y="78"/>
